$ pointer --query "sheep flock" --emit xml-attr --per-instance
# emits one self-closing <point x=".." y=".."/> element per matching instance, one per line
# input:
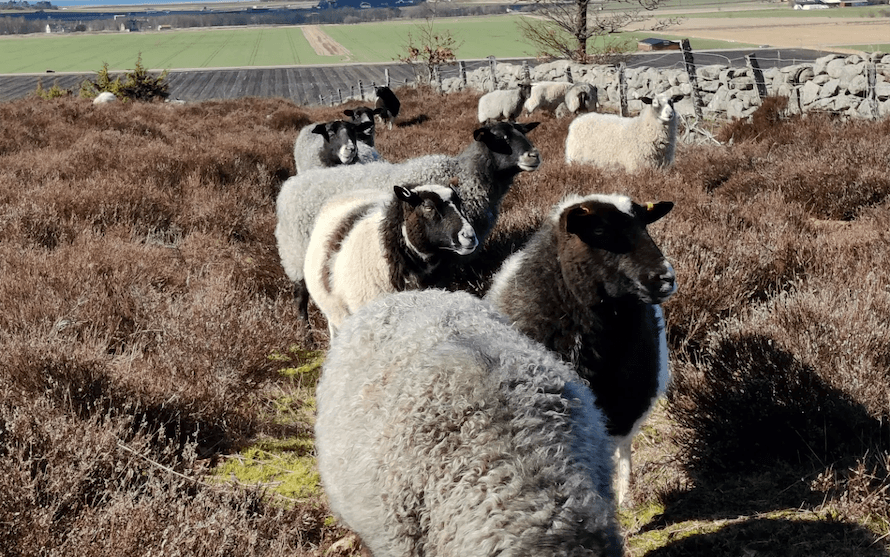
<point x="452" y="425"/>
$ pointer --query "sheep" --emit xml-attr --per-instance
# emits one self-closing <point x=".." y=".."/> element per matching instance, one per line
<point x="482" y="174"/>
<point x="364" y="140"/>
<point x="365" y="244"/>
<point x="587" y="286"/>
<point x="579" y="97"/>
<point x="505" y="104"/>
<point x="441" y="430"/>
<point x="644" y="141"/>
<point x="326" y="144"/>
<point x="560" y="97"/>
<point x="547" y="95"/>
<point x="389" y="104"/>
<point x="105" y="97"/>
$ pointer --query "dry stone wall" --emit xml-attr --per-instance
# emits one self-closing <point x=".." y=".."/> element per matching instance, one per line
<point x="836" y="83"/>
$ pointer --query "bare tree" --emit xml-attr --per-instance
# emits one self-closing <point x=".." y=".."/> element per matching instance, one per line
<point x="564" y="29"/>
<point x="429" y="47"/>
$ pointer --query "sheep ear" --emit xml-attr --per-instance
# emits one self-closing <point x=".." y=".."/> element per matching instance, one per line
<point x="493" y="142"/>
<point x="527" y="127"/>
<point x="677" y="98"/>
<point x="579" y="219"/>
<point x="406" y="195"/>
<point x="349" y="112"/>
<point x="651" y="212"/>
<point x="379" y="112"/>
<point x="365" y="127"/>
<point x="646" y="100"/>
<point x="321" y="130"/>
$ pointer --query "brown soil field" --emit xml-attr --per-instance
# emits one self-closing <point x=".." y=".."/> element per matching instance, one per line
<point x="323" y="44"/>
<point x="816" y="33"/>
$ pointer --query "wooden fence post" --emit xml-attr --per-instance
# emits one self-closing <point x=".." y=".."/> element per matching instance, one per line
<point x="569" y="74"/>
<point x="871" y="95"/>
<point x="758" y="75"/>
<point x="361" y="90"/>
<point x="622" y="89"/>
<point x="462" y="69"/>
<point x="386" y="76"/>
<point x="526" y="72"/>
<point x="340" y="95"/>
<point x="492" y="64"/>
<point x="693" y="78"/>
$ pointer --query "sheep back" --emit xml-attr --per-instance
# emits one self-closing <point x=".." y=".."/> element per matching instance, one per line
<point x="441" y="430"/>
<point x="503" y="104"/>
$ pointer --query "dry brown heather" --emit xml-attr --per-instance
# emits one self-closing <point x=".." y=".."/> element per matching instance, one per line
<point x="142" y="300"/>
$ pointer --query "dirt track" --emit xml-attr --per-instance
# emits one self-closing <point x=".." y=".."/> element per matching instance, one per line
<point x="323" y="44"/>
<point x="818" y="33"/>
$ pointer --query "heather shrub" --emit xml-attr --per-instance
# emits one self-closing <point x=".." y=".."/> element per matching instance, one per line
<point x="150" y="336"/>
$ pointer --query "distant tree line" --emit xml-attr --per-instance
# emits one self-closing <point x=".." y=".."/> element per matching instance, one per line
<point x="25" y="5"/>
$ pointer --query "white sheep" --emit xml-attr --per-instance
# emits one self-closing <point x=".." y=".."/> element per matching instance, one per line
<point x="547" y="96"/>
<point x="367" y="243"/>
<point x="105" y="97"/>
<point x="561" y="97"/>
<point x="608" y="140"/>
<point x="504" y="104"/>
<point x="441" y="430"/>
<point x="482" y="174"/>
<point x="327" y="144"/>
<point x="587" y="286"/>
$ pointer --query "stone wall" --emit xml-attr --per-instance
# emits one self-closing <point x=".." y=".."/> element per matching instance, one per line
<point x="836" y="83"/>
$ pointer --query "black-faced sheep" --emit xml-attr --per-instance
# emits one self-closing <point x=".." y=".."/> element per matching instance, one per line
<point x="386" y="100"/>
<point x="327" y="144"/>
<point x="587" y="286"/>
<point x="366" y="136"/>
<point x="482" y="175"/>
<point x="505" y="104"/>
<point x="366" y="244"/>
<point x="647" y="140"/>
<point x="441" y="430"/>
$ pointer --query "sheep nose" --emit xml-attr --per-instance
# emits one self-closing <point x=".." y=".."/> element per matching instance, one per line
<point x="530" y="160"/>
<point x="666" y="280"/>
<point x="468" y="238"/>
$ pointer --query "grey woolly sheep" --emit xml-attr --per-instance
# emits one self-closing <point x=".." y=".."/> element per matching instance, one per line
<point x="587" y="286"/>
<point x="326" y="144"/>
<point x="644" y="141"/>
<point x="367" y="243"/>
<point x="482" y="174"/>
<point x="505" y="104"/>
<point x="443" y="431"/>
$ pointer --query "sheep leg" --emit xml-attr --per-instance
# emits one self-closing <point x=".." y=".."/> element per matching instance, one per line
<point x="301" y="295"/>
<point x="623" y="470"/>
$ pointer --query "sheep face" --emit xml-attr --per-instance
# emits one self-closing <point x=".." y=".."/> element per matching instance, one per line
<point x="663" y="106"/>
<point x="364" y="115"/>
<point x="606" y="252"/>
<point x="509" y="146"/>
<point x="436" y="221"/>
<point x="341" y="138"/>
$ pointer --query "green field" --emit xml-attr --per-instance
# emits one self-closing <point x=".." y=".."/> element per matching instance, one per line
<point x="265" y="46"/>
<point x="286" y="46"/>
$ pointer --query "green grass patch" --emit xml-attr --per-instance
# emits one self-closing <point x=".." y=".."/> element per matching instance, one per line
<point x="869" y="47"/>
<point x="284" y="467"/>
<point x="770" y="13"/>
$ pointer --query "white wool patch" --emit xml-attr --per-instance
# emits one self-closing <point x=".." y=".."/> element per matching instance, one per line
<point x="621" y="202"/>
<point x="444" y="192"/>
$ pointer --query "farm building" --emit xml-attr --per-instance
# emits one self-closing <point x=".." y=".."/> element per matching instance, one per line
<point x="658" y="44"/>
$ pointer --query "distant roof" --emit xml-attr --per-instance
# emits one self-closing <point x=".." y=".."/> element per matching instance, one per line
<point x="655" y="42"/>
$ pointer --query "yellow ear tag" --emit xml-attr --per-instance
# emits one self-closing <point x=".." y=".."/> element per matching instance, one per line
<point x="650" y="206"/>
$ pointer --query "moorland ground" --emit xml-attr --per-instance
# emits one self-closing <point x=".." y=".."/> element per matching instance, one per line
<point x="156" y="388"/>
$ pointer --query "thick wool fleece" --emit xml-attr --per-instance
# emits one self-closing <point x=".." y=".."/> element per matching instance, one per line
<point x="442" y="431"/>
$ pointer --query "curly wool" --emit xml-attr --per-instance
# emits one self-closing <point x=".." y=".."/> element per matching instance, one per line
<point x="647" y="140"/>
<point x="442" y="431"/>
